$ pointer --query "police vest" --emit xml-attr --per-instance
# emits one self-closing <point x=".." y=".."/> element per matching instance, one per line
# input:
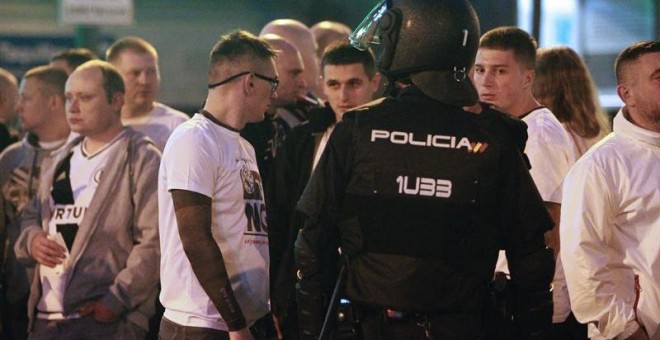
<point x="422" y="216"/>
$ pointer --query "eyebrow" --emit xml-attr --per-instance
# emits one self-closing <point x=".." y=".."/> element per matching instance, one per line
<point x="655" y="73"/>
<point x="495" y="65"/>
<point x="347" y="80"/>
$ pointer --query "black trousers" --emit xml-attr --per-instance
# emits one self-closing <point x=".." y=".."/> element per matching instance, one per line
<point x="263" y="329"/>
<point x="376" y="325"/>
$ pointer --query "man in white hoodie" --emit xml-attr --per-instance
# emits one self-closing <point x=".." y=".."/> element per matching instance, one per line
<point x="610" y="223"/>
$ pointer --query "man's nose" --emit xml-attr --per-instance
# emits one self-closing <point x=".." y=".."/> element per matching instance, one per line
<point x="142" y="78"/>
<point x="72" y="105"/>
<point x="302" y="83"/>
<point x="344" y="93"/>
<point x="488" y="78"/>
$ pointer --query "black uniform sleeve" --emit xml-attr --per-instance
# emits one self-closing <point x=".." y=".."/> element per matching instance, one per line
<point x="531" y="263"/>
<point x="316" y="247"/>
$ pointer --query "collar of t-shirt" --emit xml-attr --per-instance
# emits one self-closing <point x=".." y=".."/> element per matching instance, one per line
<point x="88" y="155"/>
<point x="530" y="111"/>
<point x="51" y="145"/>
<point x="210" y="117"/>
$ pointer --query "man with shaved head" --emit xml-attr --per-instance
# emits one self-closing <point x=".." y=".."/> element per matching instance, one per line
<point x="302" y="37"/>
<point x="328" y="32"/>
<point x="212" y="223"/>
<point x="286" y="110"/>
<point x="293" y="85"/>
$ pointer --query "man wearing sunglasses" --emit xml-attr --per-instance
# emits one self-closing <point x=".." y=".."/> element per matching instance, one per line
<point x="213" y="234"/>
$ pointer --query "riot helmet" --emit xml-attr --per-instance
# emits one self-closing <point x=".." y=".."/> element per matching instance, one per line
<point x="432" y="42"/>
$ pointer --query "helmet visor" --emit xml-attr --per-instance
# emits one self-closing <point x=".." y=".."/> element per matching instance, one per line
<point x="366" y="34"/>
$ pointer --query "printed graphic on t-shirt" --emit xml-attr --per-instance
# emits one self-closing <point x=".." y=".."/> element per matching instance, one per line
<point x="65" y="216"/>
<point x="255" y="208"/>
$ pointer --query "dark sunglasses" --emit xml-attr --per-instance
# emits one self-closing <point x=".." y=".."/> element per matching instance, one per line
<point x="274" y="82"/>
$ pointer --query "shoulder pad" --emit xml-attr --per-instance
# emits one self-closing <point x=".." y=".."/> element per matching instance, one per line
<point x="364" y="107"/>
<point x="516" y="128"/>
<point x="369" y="105"/>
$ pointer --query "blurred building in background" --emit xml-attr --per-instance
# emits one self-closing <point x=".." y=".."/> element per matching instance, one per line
<point x="183" y="32"/>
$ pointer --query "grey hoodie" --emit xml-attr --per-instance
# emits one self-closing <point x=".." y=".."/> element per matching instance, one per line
<point x="20" y="167"/>
<point x="115" y="255"/>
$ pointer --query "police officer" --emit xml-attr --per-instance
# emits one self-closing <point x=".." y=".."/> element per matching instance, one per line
<point x="420" y="194"/>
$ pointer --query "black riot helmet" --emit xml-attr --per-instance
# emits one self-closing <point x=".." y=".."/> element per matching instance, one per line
<point x="432" y="42"/>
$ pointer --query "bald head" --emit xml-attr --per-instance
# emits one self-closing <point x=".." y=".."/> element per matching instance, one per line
<point x="303" y="39"/>
<point x="290" y="68"/>
<point x="280" y="45"/>
<point x="327" y="32"/>
<point x="8" y="96"/>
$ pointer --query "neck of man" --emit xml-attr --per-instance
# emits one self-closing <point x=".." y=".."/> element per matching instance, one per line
<point x="272" y="111"/>
<point x="57" y="129"/>
<point x="136" y="111"/>
<point x="639" y="120"/>
<point x="524" y="106"/>
<point x="226" y="114"/>
<point x="54" y="133"/>
<point x="338" y="116"/>
<point x="96" y="141"/>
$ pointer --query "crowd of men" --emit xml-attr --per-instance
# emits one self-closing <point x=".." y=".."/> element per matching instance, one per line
<point x="324" y="191"/>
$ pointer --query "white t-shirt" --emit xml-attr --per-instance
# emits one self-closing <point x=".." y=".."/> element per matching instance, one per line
<point x="204" y="157"/>
<point x="550" y="151"/>
<point x="86" y="170"/>
<point x="158" y="125"/>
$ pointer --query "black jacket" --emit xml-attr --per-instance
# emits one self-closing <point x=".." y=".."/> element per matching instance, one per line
<point x="421" y="195"/>
<point x="268" y="135"/>
<point x="290" y="172"/>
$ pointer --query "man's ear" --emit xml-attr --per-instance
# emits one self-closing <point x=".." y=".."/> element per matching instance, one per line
<point x="117" y="101"/>
<point x="248" y="83"/>
<point x="624" y="93"/>
<point x="375" y="81"/>
<point x="529" y="78"/>
<point x="55" y="102"/>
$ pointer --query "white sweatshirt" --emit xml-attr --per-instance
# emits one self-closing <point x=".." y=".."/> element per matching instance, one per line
<point x="610" y="231"/>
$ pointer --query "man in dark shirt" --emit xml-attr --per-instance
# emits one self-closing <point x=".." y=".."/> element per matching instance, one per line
<point x="349" y="80"/>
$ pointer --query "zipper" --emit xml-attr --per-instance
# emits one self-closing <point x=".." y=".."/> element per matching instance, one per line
<point x="638" y="290"/>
